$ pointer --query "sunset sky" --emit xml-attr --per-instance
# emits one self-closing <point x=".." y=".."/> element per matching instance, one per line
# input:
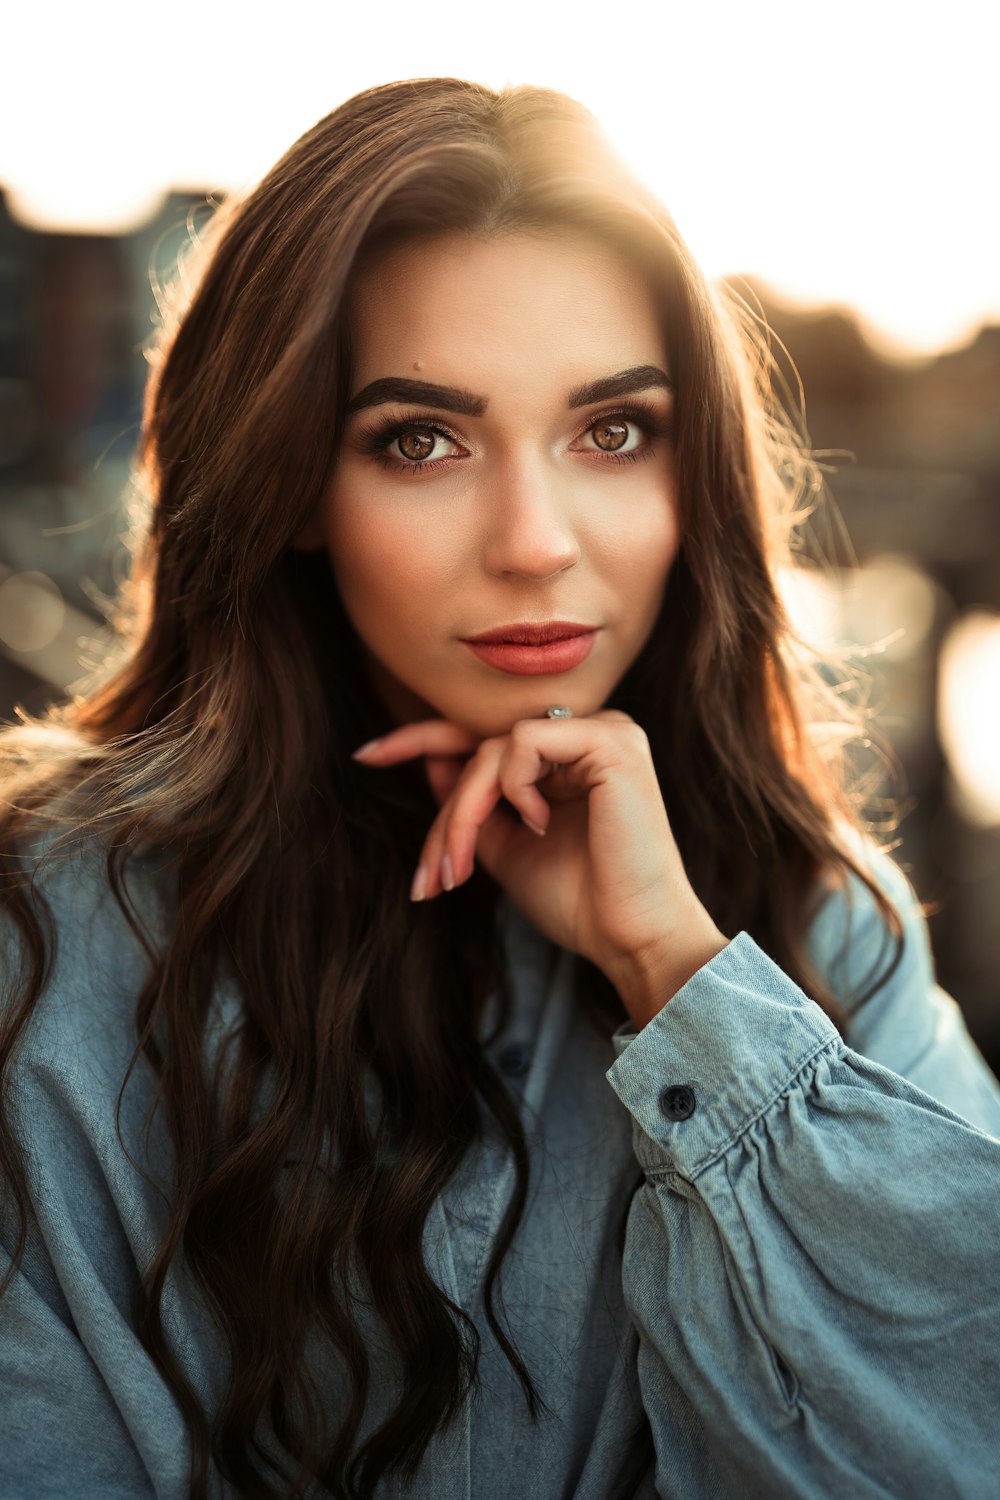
<point x="842" y="154"/>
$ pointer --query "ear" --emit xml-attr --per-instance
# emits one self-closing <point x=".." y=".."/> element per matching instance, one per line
<point x="310" y="537"/>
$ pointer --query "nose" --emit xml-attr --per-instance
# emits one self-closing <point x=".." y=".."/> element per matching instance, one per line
<point x="530" y="531"/>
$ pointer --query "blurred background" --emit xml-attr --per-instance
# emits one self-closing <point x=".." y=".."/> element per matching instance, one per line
<point x="834" y="168"/>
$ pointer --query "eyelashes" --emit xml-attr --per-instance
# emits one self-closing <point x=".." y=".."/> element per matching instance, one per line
<point x="375" y="440"/>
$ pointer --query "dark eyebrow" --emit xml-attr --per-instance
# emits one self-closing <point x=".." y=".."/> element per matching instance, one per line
<point x="450" y="398"/>
<point x="625" y="383"/>
<point x="397" y="388"/>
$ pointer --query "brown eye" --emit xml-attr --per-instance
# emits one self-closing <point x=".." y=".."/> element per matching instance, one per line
<point x="610" y="435"/>
<point x="416" y="443"/>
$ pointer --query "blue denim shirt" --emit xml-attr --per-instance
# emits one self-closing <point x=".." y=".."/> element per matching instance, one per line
<point x="808" y="1299"/>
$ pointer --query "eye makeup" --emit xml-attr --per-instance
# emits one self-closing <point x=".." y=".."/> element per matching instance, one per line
<point x="374" y="439"/>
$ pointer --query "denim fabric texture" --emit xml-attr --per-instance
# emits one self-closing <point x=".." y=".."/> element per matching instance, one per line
<point x="808" y="1300"/>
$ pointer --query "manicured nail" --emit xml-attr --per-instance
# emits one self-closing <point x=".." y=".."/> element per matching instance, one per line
<point x="447" y="873"/>
<point x="362" y="750"/>
<point x="533" y="826"/>
<point x="419" y="887"/>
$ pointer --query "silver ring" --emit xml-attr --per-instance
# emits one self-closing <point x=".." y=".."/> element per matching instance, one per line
<point x="558" y="711"/>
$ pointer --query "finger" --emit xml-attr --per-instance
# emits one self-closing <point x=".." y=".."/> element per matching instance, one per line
<point x="453" y="840"/>
<point x="557" y="744"/>
<point x="442" y="775"/>
<point x="428" y="877"/>
<point x="580" y="752"/>
<point x="427" y="881"/>
<point x="453" y="832"/>
<point x="426" y="737"/>
<point x="511" y="767"/>
<point x="583" y="753"/>
<point x="521" y="768"/>
<point x="474" y="799"/>
<point x="462" y="830"/>
<point x="544" y="747"/>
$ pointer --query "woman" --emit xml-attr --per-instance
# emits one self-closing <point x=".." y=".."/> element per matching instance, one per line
<point x="549" y="1095"/>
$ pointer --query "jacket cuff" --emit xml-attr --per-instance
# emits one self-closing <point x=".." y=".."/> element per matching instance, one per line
<point x="708" y="1064"/>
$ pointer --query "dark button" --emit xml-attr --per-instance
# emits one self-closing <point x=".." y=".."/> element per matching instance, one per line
<point x="677" y="1102"/>
<point x="515" y="1059"/>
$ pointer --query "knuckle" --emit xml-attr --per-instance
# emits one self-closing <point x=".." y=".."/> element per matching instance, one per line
<point x="632" y="740"/>
<point x="638" y="735"/>
<point x="513" y="787"/>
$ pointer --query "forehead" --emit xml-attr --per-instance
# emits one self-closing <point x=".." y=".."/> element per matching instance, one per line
<point x="529" y="294"/>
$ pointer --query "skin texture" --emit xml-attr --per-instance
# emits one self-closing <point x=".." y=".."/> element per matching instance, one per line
<point x="527" y="518"/>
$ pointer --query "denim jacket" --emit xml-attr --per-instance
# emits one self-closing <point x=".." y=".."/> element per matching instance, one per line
<point x="805" y="1302"/>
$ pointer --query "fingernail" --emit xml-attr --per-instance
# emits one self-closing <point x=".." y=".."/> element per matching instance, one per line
<point x="447" y="873"/>
<point x="533" y="826"/>
<point x="363" y="750"/>
<point x="419" y="886"/>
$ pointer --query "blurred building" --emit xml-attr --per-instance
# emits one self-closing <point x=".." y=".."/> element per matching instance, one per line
<point x="913" y="457"/>
<point x="75" y="313"/>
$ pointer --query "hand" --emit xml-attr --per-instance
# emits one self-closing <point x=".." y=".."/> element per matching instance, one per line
<point x="601" y="875"/>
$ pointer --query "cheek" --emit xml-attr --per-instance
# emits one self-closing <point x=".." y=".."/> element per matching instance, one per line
<point x="662" y="520"/>
<point x="664" y="540"/>
<point x="387" y="563"/>
<point x="643" y="543"/>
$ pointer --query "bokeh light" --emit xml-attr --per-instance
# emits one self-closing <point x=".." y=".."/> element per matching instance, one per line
<point x="969" y="714"/>
<point x="31" y="612"/>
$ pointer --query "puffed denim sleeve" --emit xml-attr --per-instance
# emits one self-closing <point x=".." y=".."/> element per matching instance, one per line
<point x="83" y="1411"/>
<point x="812" y="1261"/>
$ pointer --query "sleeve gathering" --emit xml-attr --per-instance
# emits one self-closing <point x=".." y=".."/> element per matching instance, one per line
<point x="812" y="1261"/>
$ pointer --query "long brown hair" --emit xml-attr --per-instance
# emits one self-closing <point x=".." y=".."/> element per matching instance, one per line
<point x="222" y="734"/>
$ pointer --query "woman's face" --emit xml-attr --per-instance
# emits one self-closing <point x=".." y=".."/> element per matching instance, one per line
<point x="499" y="490"/>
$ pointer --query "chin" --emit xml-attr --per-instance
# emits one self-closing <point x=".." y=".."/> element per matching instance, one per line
<point x="495" y="719"/>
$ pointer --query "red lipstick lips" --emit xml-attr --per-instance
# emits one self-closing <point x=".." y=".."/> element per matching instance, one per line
<point x="529" y="650"/>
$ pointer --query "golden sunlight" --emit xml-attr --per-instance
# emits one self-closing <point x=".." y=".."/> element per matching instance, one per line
<point x="840" y="160"/>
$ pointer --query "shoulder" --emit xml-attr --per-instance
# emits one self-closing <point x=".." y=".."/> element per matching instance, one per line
<point x="96" y="1176"/>
<point x="882" y="974"/>
<point x="898" y="1014"/>
<point x="852" y="942"/>
<point x="79" y="1039"/>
